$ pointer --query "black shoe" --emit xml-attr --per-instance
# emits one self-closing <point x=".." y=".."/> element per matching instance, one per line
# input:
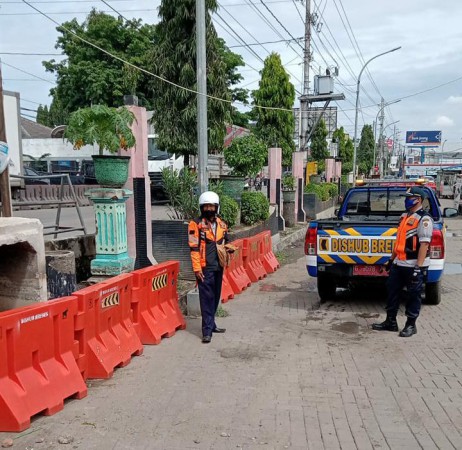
<point x="207" y="339"/>
<point x="408" y="330"/>
<point x="389" y="324"/>
<point x="219" y="330"/>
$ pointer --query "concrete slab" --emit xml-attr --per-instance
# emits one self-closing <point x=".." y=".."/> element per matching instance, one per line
<point x="22" y="262"/>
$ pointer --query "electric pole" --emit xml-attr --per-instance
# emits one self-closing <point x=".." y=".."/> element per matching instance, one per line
<point x="201" y="65"/>
<point x="382" y="116"/>
<point x="5" y="192"/>
<point x="304" y="103"/>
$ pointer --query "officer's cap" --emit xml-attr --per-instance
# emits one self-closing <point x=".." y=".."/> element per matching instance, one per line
<point x="416" y="191"/>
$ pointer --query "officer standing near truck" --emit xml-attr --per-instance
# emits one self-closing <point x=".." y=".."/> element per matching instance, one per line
<point x="206" y="235"/>
<point x="408" y="263"/>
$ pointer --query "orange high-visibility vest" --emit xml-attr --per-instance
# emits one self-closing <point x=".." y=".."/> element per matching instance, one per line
<point x="407" y="242"/>
<point x="199" y="234"/>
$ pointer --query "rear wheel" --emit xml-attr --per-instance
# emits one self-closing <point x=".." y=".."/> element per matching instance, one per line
<point x="326" y="288"/>
<point x="433" y="293"/>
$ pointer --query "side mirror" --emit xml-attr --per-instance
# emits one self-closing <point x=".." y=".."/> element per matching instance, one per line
<point x="336" y="211"/>
<point x="450" y="212"/>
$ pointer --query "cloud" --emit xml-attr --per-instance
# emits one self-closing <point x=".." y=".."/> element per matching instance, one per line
<point x="455" y="99"/>
<point x="444" y="121"/>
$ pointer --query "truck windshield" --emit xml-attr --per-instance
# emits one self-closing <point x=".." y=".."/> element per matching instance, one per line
<point x="154" y="152"/>
<point x="377" y="203"/>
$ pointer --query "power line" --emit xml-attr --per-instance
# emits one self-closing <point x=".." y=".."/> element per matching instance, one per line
<point x="298" y="11"/>
<point x="73" y="12"/>
<point x="261" y="43"/>
<point x="113" y="9"/>
<point x="28" y="73"/>
<point x="31" y="54"/>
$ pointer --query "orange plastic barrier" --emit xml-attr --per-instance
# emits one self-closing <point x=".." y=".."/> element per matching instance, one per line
<point x="268" y="258"/>
<point x="252" y="263"/>
<point x="155" y="308"/>
<point x="38" y="370"/>
<point x="104" y="329"/>
<point x="227" y="292"/>
<point x="235" y="272"/>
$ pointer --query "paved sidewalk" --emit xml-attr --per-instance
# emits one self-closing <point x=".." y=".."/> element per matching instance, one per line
<point x="288" y="373"/>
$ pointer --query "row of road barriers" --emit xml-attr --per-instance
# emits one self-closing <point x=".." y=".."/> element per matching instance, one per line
<point x="48" y="350"/>
<point x="252" y="261"/>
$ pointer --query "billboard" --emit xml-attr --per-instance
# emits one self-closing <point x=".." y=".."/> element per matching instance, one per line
<point x="423" y="138"/>
<point x="329" y="116"/>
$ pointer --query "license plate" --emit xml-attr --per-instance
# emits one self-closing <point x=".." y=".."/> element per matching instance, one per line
<point x="369" y="271"/>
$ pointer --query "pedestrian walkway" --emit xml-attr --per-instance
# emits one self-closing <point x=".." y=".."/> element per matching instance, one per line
<point x="288" y="373"/>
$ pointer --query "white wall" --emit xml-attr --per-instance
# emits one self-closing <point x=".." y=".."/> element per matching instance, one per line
<point x="58" y="148"/>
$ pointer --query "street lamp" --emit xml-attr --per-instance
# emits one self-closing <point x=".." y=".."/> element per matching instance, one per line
<point x="381" y="144"/>
<point x="377" y="116"/>
<point x="355" y="144"/>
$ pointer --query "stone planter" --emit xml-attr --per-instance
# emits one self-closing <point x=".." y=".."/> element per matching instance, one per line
<point x="288" y="196"/>
<point x="233" y="186"/>
<point x="111" y="171"/>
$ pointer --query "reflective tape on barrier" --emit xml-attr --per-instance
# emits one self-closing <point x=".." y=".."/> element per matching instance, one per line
<point x="155" y="309"/>
<point x="235" y="272"/>
<point x="104" y="329"/>
<point x="267" y="257"/>
<point x="38" y="369"/>
<point x="252" y="263"/>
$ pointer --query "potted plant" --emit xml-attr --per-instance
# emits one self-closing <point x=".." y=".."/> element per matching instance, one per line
<point x="108" y="128"/>
<point x="288" y="188"/>
<point x="246" y="156"/>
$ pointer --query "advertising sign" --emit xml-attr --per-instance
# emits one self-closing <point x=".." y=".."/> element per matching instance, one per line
<point x="423" y="138"/>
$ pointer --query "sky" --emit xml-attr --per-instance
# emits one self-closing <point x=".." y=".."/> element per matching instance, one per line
<point x="346" y="33"/>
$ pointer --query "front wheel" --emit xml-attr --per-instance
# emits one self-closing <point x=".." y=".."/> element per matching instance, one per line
<point x="326" y="288"/>
<point x="433" y="293"/>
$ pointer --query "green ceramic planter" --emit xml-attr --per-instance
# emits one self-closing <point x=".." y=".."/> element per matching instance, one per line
<point x="111" y="171"/>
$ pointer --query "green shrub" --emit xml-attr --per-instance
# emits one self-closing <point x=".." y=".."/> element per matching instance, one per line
<point x="229" y="209"/>
<point x="332" y="188"/>
<point x="320" y="190"/>
<point x="181" y="190"/>
<point x="254" y="207"/>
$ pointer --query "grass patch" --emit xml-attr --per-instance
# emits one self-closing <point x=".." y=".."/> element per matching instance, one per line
<point x="281" y="257"/>
<point x="221" y="312"/>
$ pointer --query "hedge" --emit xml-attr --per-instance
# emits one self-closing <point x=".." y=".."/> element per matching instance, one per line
<point x="323" y="191"/>
<point x="229" y="209"/>
<point x="254" y="207"/>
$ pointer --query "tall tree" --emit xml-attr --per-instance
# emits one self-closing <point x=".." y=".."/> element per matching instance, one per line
<point x="366" y="150"/>
<point x="42" y="116"/>
<point x="174" y="59"/>
<point x="345" y="149"/>
<point x="275" y="126"/>
<point x="88" y="76"/>
<point x="318" y="147"/>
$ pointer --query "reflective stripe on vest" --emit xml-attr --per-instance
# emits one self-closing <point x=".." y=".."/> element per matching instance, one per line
<point x="407" y="242"/>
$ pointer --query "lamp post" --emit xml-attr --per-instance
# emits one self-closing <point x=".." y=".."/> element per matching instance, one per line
<point x="382" y="107"/>
<point x="355" y="144"/>
<point x="381" y="139"/>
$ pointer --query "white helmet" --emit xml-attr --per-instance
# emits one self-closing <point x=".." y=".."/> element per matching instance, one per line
<point x="209" y="198"/>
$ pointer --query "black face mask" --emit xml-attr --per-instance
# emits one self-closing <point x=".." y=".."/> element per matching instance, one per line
<point x="209" y="215"/>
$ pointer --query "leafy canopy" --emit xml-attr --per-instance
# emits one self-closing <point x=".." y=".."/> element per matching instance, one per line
<point x="345" y="149"/>
<point x="174" y="58"/>
<point x="107" y="127"/>
<point x="366" y="150"/>
<point x="275" y="127"/>
<point x="246" y="156"/>
<point x="318" y="148"/>
<point x="88" y="76"/>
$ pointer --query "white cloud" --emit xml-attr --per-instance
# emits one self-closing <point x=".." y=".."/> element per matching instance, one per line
<point x="444" y="121"/>
<point x="455" y="99"/>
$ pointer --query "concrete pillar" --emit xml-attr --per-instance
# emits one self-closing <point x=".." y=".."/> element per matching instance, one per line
<point x="330" y="169"/>
<point x="139" y="217"/>
<point x="111" y="237"/>
<point x="298" y="168"/>
<point x="274" y="171"/>
<point x="22" y="263"/>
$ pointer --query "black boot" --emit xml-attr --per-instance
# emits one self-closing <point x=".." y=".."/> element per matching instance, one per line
<point x="389" y="324"/>
<point x="409" y="329"/>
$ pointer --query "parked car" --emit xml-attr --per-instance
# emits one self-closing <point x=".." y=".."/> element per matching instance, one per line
<point x="28" y="172"/>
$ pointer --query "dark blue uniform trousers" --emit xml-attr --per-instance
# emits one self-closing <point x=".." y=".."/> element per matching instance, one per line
<point x="399" y="278"/>
<point x="209" y="297"/>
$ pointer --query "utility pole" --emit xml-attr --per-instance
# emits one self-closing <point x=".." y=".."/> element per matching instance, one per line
<point x="304" y="103"/>
<point x="201" y="65"/>
<point x="382" y="116"/>
<point x="5" y="191"/>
